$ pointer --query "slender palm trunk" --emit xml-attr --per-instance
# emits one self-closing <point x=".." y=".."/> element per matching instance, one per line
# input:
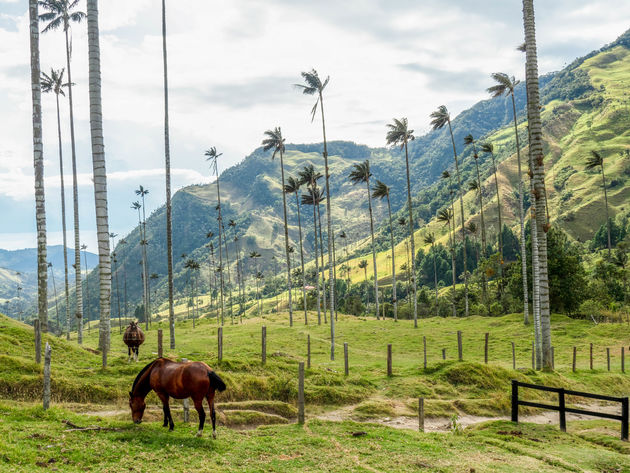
<point x="331" y="275"/>
<point x="147" y="307"/>
<point x="286" y="239"/>
<point x="391" y="234"/>
<point x="500" y="235"/>
<point x="229" y="274"/>
<point x="607" y="213"/>
<point x="521" y="216"/>
<point x="297" y="203"/>
<point x="87" y="295"/>
<point x="99" y="176"/>
<point x="484" y="286"/>
<point x="321" y="253"/>
<point x="239" y="277"/>
<point x="319" y="298"/>
<point x="413" y="243"/>
<point x="63" y="224"/>
<point x="75" y="199"/>
<point x="52" y="275"/>
<point x="367" y="183"/>
<point x="117" y="295"/>
<point x="220" y="224"/>
<point x="535" y="278"/>
<point x="437" y="310"/>
<point x="536" y="146"/>
<point x="169" y="208"/>
<point x="461" y="206"/>
<point x="451" y="240"/>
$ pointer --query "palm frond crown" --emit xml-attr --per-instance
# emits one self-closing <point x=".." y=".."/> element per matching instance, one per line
<point x="273" y="140"/>
<point x="360" y="172"/>
<point x="380" y="190"/>
<point x="440" y="117"/>
<point x="594" y="160"/>
<point x="399" y="133"/>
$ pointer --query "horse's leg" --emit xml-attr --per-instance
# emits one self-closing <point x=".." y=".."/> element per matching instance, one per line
<point x="202" y="415"/>
<point x="136" y="353"/>
<point x="168" y="418"/>
<point x="128" y="353"/>
<point x="213" y="414"/>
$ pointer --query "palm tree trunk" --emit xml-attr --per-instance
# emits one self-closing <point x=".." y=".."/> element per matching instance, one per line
<point x="297" y="203"/>
<point x="367" y="182"/>
<point x="75" y="199"/>
<point x="63" y="224"/>
<point x="38" y="161"/>
<point x="461" y="205"/>
<point x="521" y="216"/>
<point x="220" y="224"/>
<point x="536" y="146"/>
<point x="87" y="294"/>
<point x="52" y="275"/>
<point x="169" y="209"/>
<point x="331" y="275"/>
<point x="321" y="253"/>
<point x="607" y="213"/>
<point x="451" y="240"/>
<point x="391" y="233"/>
<point x="437" y="310"/>
<point x="99" y="176"/>
<point x="286" y="239"/>
<point x="500" y="236"/>
<point x="319" y="315"/>
<point x="147" y="306"/>
<point x="413" y="243"/>
<point x="484" y="286"/>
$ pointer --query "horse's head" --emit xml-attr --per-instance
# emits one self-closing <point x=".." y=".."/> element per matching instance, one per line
<point x="137" y="405"/>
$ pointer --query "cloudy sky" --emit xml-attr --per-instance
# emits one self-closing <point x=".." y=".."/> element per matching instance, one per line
<point x="232" y="64"/>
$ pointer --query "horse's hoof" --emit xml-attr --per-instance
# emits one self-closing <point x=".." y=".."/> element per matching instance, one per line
<point x="214" y="435"/>
<point x="199" y="433"/>
<point x="170" y="429"/>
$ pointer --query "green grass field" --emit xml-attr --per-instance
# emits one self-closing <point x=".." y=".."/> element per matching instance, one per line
<point x="259" y="395"/>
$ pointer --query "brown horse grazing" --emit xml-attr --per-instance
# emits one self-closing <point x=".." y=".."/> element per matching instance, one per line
<point x="167" y="378"/>
<point x="133" y="338"/>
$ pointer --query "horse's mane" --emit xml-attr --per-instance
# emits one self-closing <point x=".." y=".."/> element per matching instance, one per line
<point x="142" y="371"/>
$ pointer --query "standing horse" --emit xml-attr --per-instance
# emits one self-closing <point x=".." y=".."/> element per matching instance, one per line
<point x="133" y="338"/>
<point x="178" y="380"/>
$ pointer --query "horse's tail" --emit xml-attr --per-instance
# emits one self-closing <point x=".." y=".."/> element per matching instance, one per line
<point x="216" y="382"/>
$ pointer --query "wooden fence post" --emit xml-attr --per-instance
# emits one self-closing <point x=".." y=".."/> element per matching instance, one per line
<point x="624" y="419"/>
<point x="513" y="357"/>
<point x="533" y="356"/>
<point x="591" y="355"/>
<point x="553" y="358"/>
<point x="424" y="344"/>
<point x="308" y="351"/>
<point x="514" y="400"/>
<point x="563" y="412"/>
<point x="220" y="343"/>
<point x="421" y="414"/>
<point x="460" y="348"/>
<point x="485" y="350"/>
<point x="186" y="402"/>
<point x="345" y="358"/>
<point x="264" y="344"/>
<point x="160" y="350"/>
<point x="574" y="357"/>
<point x="623" y="359"/>
<point x="444" y="353"/>
<point x="46" y="396"/>
<point x="389" y="359"/>
<point x="301" y="392"/>
<point x="608" y="358"/>
<point x="38" y="342"/>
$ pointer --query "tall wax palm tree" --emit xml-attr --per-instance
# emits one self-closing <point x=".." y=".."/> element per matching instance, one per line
<point x="399" y="134"/>
<point x="227" y="267"/>
<point x="472" y="229"/>
<point x="429" y="239"/>
<point x="361" y="173"/>
<point x="596" y="160"/>
<point x="212" y="156"/>
<point x="232" y="224"/>
<point x="38" y="162"/>
<point x="402" y="221"/>
<point x="381" y="191"/>
<point x="505" y="86"/>
<point x="52" y="275"/>
<point x="474" y="186"/>
<point x="293" y="187"/>
<point x="537" y="156"/>
<point x="446" y="216"/>
<point x="363" y="264"/>
<point x="255" y="255"/>
<point x="54" y="83"/>
<point x="137" y="206"/>
<point x="259" y="278"/>
<point x="440" y="118"/>
<point x="99" y="177"/>
<point x="141" y="192"/>
<point x="314" y="86"/>
<point x="489" y="148"/>
<point x="122" y="241"/>
<point x="313" y="196"/>
<point x="61" y="14"/>
<point x="275" y="141"/>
